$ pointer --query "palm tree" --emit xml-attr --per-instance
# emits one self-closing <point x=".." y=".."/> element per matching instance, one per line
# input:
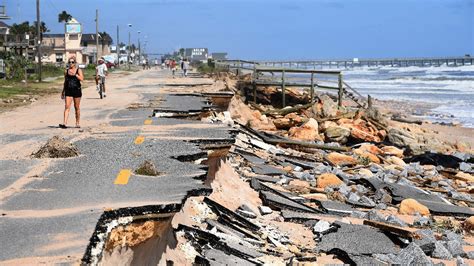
<point x="64" y="17"/>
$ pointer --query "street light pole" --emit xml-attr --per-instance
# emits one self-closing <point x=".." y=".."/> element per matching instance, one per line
<point x="97" y="34"/>
<point x="128" y="50"/>
<point x="38" y="36"/>
<point x="117" y="47"/>
<point x="139" y="49"/>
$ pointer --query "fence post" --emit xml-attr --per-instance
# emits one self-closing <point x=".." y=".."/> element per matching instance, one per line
<point x="340" y="89"/>
<point x="238" y="69"/>
<point x="283" y="88"/>
<point x="254" y="83"/>
<point x="312" y="88"/>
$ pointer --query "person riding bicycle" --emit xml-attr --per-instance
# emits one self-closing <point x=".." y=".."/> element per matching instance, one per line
<point x="100" y="74"/>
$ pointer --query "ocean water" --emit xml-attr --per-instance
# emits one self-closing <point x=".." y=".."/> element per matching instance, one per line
<point x="450" y="89"/>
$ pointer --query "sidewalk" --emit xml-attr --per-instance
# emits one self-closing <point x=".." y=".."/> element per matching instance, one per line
<point x="50" y="207"/>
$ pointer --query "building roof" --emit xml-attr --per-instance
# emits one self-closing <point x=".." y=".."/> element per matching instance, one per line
<point x="53" y="35"/>
<point x="4" y="25"/>
<point x="90" y="37"/>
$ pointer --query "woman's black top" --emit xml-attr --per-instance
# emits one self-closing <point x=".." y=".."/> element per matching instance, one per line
<point x="72" y="85"/>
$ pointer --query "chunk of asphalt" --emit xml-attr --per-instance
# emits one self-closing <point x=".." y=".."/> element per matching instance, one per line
<point x="263" y="169"/>
<point x="436" y="159"/>
<point x="264" y="210"/>
<point x="278" y="202"/>
<point x="413" y="255"/>
<point x="375" y="216"/>
<point x="422" y="221"/>
<point x="470" y="255"/>
<point x="395" y="220"/>
<point x="444" y="209"/>
<point x="335" y="207"/>
<point x="357" y="240"/>
<point x="298" y="217"/>
<point x="426" y="241"/>
<point x="218" y="257"/>
<point x="450" y="235"/>
<point x="401" y="192"/>
<point x="455" y="248"/>
<point x="440" y="252"/>
<point x="359" y="214"/>
<point x="321" y="226"/>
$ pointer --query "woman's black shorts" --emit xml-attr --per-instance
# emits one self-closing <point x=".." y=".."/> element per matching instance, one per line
<point x="75" y="93"/>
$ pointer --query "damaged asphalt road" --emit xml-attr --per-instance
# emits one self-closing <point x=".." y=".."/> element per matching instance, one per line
<point x="55" y="213"/>
<point x="228" y="192"/>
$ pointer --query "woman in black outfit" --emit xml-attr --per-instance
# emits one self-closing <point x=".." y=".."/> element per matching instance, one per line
<point x="72" y="91"/>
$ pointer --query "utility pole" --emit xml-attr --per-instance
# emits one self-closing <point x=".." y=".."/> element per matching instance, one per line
<point x="118" y="47"/>
<point x="128" y="50"/>
<point x="38" y="38"/>
<point x="139" y="49"/>
<point x="97" y="34"/>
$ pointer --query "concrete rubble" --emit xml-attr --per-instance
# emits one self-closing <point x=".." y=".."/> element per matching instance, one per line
<point x="324" y="184"/>
<point x="362" y="189"/>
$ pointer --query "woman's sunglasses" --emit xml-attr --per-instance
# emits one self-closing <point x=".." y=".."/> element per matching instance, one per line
<point x="72" y="62"/>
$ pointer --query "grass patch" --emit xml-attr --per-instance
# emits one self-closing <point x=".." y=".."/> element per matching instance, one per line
<point x="10" y="89"/>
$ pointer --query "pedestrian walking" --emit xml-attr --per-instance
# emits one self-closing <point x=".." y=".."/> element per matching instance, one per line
<point x="185" y="67"/>
<point x="173" y="67"/>
<point x="101" y="72"/>
<point x="72" y="91"/>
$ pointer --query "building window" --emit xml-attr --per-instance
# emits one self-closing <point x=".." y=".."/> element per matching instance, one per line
<point x="59" y="58"/>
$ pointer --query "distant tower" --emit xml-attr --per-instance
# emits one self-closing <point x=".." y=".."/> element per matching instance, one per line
<point x="72" y="39"/>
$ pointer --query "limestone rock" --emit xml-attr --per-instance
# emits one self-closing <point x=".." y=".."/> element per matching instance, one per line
<point x="396" y="161"/>
<point x="327" y="124"/>
<point x="371" y="148"/>
<point x="328" y="179"/>
<point x="469" y="224"/>
<point x="392" y="150"/>
<point x="307" y="132"/>
<point x="402" y="138"/>
<point x="411" y="207"/>
<point x="363" y="154"/>
<point x="315" y="196"/>
<point x="365" y="172"/>
<point x="341" y="159"/>
<point x="337" y="134"/>
<point x="465" y="177"/>
<point x="329" y="107"/>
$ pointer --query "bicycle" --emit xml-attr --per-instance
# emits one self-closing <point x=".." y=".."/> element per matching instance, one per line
<point x="100" y="86"/>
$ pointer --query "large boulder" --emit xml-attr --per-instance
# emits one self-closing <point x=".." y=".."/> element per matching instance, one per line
<point x="402" y="138"/>
<point x="329" y="107"/>
<point x="337" y="134"/>
<point x="289" y="121"/>
<point x="361" y="130"/>
<point x="307" y="132"/>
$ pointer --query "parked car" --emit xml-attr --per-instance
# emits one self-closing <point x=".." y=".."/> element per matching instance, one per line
<point x="109" y="64"/>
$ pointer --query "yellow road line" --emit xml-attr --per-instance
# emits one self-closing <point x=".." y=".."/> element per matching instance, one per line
<point x="148" y="122"/>
<point x="139" y="140"/>
<point x="123" y="176"/>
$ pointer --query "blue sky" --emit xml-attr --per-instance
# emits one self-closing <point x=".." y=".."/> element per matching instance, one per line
<point x="276" y="29"/>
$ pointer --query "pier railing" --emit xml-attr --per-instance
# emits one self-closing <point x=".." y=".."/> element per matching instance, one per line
<point x="281" y="77"/>
<point x="347" y="63"/>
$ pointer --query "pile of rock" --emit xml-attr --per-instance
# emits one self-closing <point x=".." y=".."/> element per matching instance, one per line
<point x="383" y="200"/>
